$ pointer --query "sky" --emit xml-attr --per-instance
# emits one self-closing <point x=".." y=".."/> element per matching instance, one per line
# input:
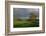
<point x="25" y="12"/>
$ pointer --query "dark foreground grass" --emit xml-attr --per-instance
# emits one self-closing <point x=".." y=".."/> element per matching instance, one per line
<point x="25" y="23"/>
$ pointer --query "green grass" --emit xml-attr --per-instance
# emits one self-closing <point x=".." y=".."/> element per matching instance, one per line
<point x="25" y="23"/>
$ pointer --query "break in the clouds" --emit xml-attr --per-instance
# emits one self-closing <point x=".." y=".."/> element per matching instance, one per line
<point x="25" y="12"/>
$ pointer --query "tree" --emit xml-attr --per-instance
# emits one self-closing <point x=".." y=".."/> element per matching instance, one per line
<point x="32" y="17"/>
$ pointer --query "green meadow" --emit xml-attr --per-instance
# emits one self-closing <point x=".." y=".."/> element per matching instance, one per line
<point x="18" y="23"/>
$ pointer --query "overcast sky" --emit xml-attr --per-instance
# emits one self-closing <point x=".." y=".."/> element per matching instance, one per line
<point x="25" y="12"/>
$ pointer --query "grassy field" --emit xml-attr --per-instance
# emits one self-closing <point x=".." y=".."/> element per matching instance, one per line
<point x="25" y="23"/>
